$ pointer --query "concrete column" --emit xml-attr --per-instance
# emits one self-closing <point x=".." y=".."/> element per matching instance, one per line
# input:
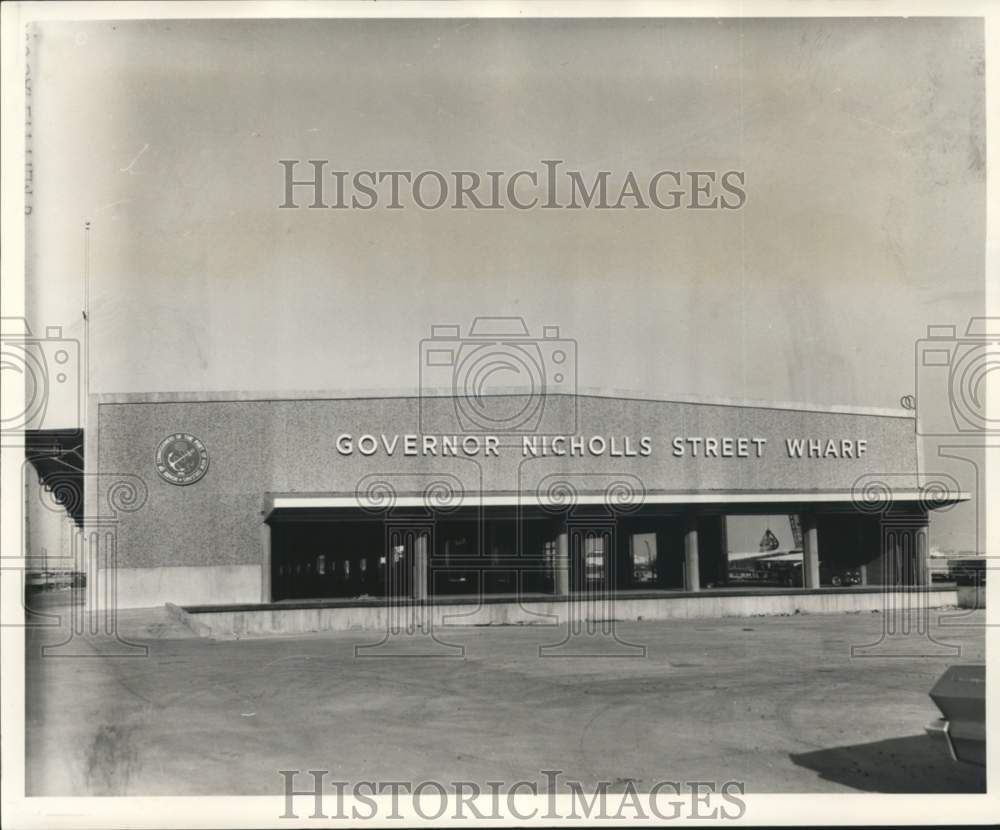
<point x="810" y="551"/>
<point x="921" y="551"/>
<point x="420" y="566"/>
<point x="562" y="565"/>
<point x="266" y="590"/>
<point x="692" y="579"/>
<point x="723" y="551"/>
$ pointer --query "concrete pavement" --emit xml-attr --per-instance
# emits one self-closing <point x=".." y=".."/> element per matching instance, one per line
<point x="776" y="702"/>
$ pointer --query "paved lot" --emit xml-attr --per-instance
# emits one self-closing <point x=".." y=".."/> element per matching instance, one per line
<point x="776" y="702"/>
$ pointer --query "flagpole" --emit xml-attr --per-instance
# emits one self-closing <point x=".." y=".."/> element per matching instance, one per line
<point x="86" y="317"/>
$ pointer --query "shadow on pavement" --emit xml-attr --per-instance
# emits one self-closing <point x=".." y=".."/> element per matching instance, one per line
<point x="917" y="764"/>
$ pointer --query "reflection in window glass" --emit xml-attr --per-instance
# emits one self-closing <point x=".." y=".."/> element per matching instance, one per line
<point x="550" y="550"/>
<point x="593" y="553"/>
<point x="763" y="550"/>
<point x="644" y="558"/>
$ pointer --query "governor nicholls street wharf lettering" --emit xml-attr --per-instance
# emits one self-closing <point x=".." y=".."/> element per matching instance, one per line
<point x="613" y="446"/>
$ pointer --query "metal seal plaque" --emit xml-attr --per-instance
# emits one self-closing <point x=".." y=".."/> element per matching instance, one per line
<point x="181" y="459"/>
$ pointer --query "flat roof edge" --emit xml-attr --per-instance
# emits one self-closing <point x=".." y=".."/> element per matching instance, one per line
<point x="583" y="392"/>
<point x="319" y="501"/>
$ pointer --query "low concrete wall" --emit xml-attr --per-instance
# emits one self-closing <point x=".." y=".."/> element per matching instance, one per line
<point x="151" y="587"/>
<point x="972" y="596"/>
<point x="263" y="621"/>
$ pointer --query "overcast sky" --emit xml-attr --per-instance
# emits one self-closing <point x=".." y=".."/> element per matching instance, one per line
<point x="862" y="144"/>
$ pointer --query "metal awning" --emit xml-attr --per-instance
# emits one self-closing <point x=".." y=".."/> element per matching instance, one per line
<point x="908" y="497"/>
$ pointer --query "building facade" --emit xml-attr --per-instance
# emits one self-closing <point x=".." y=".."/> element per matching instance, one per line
<point x="242" y="499"/>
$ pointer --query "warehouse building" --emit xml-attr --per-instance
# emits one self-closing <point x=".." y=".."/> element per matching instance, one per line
<point x="219" y="503"/>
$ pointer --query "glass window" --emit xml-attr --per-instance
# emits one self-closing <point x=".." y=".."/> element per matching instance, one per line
<point x="593" y="557"/>
<point x="644" y="558"/>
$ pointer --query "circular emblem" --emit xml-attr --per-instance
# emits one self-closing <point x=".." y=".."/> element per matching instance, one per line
<point x="181" y="458"/>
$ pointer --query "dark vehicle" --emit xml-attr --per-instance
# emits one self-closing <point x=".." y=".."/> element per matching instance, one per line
<point x="766" y="573"/>
<point x="789" y="574"/>
<point x="960" y="694"/>
<point x="838" y="577"/>
<point x="742" y="574"/>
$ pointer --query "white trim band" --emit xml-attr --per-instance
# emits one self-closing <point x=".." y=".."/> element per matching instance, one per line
<point x="535" y="500"/>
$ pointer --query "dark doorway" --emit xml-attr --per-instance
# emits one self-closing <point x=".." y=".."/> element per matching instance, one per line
<point x="850" y="550"/>
<point x="320" y="559"/>
<point x="501" y="553"/>
<point x="650" y="553"/>
<point x="713" y="566"/>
